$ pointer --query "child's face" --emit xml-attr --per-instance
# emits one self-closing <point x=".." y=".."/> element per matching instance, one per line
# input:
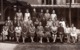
<point x="40" y="23"/>
<point x="19" y="10"/>
<point x="53" y="12"/>
<point x="72" y="25"/>
<point x="29" y="18"/>
<point x="54" y="24"/>
<point x="8" y="18"/>
<point x="47" y="11"/>
<point x="31" y="24"/>
<point x="41" y="10"/>
<point x="50" y="19"/>
<point x="34" y="10"/>
<point x="36" y="19"/>
<point x="67" y="26"/>
<point x="27" y="10"/>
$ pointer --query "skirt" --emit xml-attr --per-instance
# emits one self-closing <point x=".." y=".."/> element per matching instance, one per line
<point x="18" y="34"/>
<point x="31" y="34"/>
<point x="40" y="34"/>
<point x="47" y="34"/>
<point x="11" y="34"/>
<point x="54" y="33"/>
<point x="74" y="35"/>
<point x="24" y="35"/>
<point x="5" y="33"/>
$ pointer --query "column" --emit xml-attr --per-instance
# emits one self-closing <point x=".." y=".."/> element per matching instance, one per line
<point x="2" y="14"/>
<point x="64" y="1"/>
<point x="39" y="1"/>
<point x="73" y="2"/>
<point x="45" y="2"/>
<point x="76" y="1"/>
<point x="70" y="20"/>
<point x="52" y="2"/>
<point x="58" y="2"/>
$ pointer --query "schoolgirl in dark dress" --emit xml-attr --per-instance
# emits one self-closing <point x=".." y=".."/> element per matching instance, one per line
<point x="32" y="30"/>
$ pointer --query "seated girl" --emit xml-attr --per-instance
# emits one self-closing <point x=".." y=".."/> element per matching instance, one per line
<point x="5" y="32"/>
<point x="40" y="31"/>
<point x="32" y="32"/>
<point x="18" y="30"/>
<point x="73" y="33"/>
<point x="54" y="32"/>
<point x="47" y="32"/>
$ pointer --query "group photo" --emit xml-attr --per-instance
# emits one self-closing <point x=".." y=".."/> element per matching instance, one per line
<point x="39" y="24"/>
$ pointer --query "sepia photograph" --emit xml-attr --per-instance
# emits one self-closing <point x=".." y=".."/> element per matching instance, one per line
<point x="39" y="24"/>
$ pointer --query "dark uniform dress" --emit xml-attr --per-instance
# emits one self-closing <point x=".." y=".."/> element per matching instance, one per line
<point x="44" y="22"/>
<point x="60" y="31"/>
<point x="41" y="15"/>
<point x="36" y="23"/>
<point x="32" y="31"/>
<point x="9" y="23"/>
<point x="47" y="31"/>
<point x="40" y="31"/>
<point x="24" y="31"/>
<point x="15" y="23"/>
<point x="11" y="31"/>
<point x="34" y="16"/>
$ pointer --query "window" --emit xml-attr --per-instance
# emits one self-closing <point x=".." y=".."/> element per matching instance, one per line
<point x="46" y="2"/>
<point x="73" y="1"/>
<point x="60" y="2"/>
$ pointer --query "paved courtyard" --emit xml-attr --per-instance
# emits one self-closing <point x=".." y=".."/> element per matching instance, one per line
<point x="38" y="46"/>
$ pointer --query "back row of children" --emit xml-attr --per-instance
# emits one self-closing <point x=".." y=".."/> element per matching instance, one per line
<point x="45" y="25"/>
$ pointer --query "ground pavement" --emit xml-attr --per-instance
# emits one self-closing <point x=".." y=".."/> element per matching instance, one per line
<point x="38" y="46"/>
